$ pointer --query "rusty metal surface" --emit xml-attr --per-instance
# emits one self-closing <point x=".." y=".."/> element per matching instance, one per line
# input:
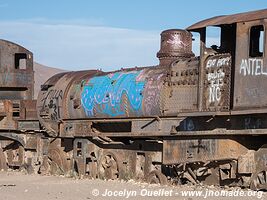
<point x="250" y="71"/>
<point x="16" y="94"/>
<point x="76" y="128"/>
<point x="7" y="121"/>
<point x="15" y="154"/>
<point x="94" y="94"/>
<point x="181" y="93"/>
<point x="57" y="160"/>
<point x="193" y="125"/>
<point x="258" y="179"/>
<point x="16" y="85"/>
<point x="175" y="43"/>
<point x="216" y="95"/>
<point x="246" y="162"/>
<point x="201" y="150"/>
<point x="132" y="93"/>
<point x="28" y="125"/>
<point x="3" y="161"/>
<point x="17" y="76"/>
<point x="28" y="110"/>
<point x="85" y="155"/>
<point x="229" y="19"/>
<point x="13" y="110"/>
<point x="52" y="99"/>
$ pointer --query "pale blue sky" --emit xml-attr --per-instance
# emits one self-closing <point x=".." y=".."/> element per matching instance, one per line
<point x="106" y="34"/>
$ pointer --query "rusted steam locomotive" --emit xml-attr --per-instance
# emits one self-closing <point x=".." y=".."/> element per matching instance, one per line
<point x="190" y="118"/>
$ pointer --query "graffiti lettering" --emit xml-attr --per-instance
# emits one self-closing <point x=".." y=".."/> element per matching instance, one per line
<point x="176" y="41"/>
<point x="252" y="66"/>
<point x="51" y="101"/>
<point x="200" y="146"/>
<point x="216" y="82"/>
<point x="152" y="95"/>
<point x="109" y="94"/>
<point x="218" y="62"/>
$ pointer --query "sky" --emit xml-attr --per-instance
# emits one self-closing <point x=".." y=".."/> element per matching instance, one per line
<point x="104" y="34"/>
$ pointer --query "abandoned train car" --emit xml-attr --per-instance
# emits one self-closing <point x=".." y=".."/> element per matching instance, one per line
<point x="190" y="118"/>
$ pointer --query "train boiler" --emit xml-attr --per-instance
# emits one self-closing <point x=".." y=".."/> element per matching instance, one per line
<point x="129" y="93"/>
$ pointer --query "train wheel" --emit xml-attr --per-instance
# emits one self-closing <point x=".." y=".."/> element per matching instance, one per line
<point x="259" y="181"/>
<point x="156" y="177"/>
<point x="259" y="177"/>
<point x="3" y="163"/>
<point x="54" y="163"/>
<point x="109" y="166"/>
<point x="15" y="155"/>
<point x="214" y="177"/>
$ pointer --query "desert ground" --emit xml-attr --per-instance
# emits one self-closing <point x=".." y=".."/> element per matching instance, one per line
<point x="19" y="186"/>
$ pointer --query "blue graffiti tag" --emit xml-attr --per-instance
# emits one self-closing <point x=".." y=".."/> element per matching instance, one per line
<point x="104" y="94"/>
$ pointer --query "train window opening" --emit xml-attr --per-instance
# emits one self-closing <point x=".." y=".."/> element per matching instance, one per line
<point x="213" y="37"/>
<point x="256" y="41"/>
<point x="228" y="39"/>
<point x="20" y="60"/>
<point x="196" y="43"/>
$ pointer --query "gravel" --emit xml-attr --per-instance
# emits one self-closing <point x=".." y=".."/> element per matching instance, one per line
<point x="19" y="186"/>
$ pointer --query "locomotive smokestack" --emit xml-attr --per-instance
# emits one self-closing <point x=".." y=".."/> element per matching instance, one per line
<point x="175" y="43"/>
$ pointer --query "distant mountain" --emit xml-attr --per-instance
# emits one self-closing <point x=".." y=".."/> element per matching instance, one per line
<point x="41" y="74"/>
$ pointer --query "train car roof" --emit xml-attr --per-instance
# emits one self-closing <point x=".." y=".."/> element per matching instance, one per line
<point x="14" y="44"/>
<point x="230" y="19"/>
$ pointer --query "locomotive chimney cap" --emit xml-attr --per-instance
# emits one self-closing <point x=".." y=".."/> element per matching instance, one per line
<point x="175" y="43"/>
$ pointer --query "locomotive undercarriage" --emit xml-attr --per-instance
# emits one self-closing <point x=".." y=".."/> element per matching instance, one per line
<point x="218" y="150"/>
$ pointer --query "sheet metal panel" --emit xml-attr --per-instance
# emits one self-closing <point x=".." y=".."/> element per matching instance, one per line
<point x="250" y="72"/>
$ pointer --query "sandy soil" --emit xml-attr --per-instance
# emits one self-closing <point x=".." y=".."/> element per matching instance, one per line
<point x="19" y="186"/>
